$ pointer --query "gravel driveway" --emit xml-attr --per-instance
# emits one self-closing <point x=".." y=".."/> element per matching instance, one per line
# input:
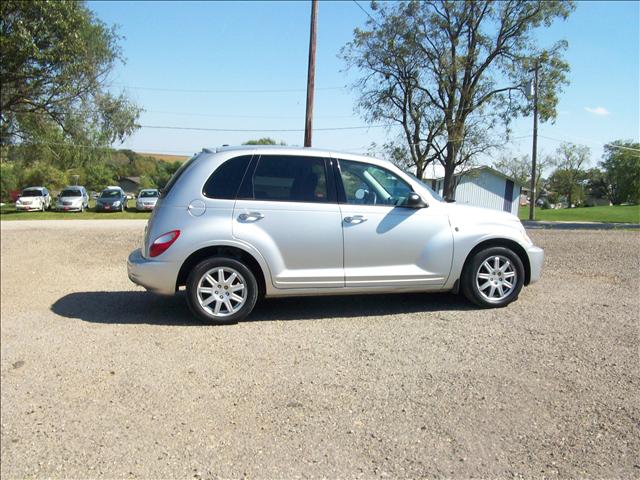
<point x="101" y="379"/>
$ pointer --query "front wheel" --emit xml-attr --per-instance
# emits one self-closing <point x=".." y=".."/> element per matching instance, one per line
<point x="493" y="277"/>
<point x="221" y="290"/>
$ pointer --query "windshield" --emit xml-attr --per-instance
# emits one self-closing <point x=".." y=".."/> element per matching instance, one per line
<point x="70" y="193"/>
<point x="32" y="193"/>
<point x="431" y="190"/>
<point x="110" y="194"/>
<point x="149" y="193"/>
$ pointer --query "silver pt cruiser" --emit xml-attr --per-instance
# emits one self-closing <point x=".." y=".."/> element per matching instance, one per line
<point x="237" y="223"/>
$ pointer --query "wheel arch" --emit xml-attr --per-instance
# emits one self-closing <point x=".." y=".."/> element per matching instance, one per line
<point x="500" y="242"/>
<point x="223" y="250"/>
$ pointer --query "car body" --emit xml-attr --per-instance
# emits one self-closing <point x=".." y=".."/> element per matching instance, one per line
<point x="33" y="199"/>
<point x="73" y="198"/>
<point x="236" y="223"/>
<point x="111" y="199"/>
<point x="147" y="199"/>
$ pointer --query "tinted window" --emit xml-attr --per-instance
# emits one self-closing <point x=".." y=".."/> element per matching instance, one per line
<point x="289" y="178"/>
<point x="366" y="184"/>
<point x="225" y="181"/>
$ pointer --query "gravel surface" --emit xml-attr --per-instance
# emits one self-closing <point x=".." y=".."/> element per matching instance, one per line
<point x="101" y="379"/>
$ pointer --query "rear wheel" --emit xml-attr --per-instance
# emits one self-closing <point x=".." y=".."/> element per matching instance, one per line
<point x="221" y="290"/>
<point x="493" y="278"/>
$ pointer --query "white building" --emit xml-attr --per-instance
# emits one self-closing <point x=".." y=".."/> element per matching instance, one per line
<point x="480" y="186"/>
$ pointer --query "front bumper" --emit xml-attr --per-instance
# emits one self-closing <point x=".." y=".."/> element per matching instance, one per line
<point x="107" y="208"/>
<point x="28" y="208"/>
<point x="144" y="208"/>
<point x="155" y="276"/>
<point x="536" y="259"/>
<point x="69" y="208"/>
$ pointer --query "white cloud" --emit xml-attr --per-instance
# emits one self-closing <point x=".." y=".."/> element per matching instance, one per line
<point x="603" y="112"/>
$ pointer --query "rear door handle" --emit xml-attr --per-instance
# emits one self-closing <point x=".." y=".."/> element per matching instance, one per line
<point x="354" y="220"/>
<point x="250" y="216"/>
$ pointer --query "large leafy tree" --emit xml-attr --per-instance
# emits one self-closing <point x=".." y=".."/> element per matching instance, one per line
<point x="570" y="174"/>
<point x="56" y="56"/>
<point x="447" y="72"/>
<point x="621" y="166"/>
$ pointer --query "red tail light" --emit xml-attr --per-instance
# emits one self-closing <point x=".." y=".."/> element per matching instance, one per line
<point x="163" y="242"/>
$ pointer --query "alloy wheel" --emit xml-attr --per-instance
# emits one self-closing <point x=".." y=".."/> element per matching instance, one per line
<point x="222" y="291"/>
<point x="496" y="278"/>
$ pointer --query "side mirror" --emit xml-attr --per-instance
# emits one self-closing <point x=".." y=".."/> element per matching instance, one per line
<point x="415" y="201"/>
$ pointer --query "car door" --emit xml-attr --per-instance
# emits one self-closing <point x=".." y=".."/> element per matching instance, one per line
<point x="286" y="208"/>
<point x="385" y="243"/>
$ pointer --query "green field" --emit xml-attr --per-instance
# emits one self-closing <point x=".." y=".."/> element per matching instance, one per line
<point x="8" y="212"/>
<point x="613" y="214"/>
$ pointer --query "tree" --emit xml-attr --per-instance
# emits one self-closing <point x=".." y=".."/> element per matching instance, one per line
<point x="519" y="168"/>
<point x="567" y="179"/>
<point x="445" y="72"/>
<point x="55" y="59"/>
<point x="621" y="165"/>
<point x="264" y="141"/>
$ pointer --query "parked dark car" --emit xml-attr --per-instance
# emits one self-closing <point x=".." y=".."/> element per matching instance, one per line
<point x="112" y="199"/>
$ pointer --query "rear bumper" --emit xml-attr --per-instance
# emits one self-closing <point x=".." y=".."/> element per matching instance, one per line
<point x="536" y="259"/>
<point x="157" y="277"/>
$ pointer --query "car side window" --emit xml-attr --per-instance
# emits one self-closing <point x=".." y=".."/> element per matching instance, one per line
<point x="225" y="181"/>
<point x="290" y="179"/>
<point x="366" y="184"/>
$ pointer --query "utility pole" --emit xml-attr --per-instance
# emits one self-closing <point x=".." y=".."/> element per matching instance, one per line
<point x="534" y="149"/>
<point x="311" y="74"/>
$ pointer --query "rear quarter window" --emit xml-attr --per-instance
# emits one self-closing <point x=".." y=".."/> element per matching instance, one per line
<point x="225" y="181"/>
<point x="172" y="181"/>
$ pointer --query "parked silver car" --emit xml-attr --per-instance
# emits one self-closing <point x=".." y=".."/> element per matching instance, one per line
<point x="73" y="199"/>
<point x="238" y="223"/>
<point x="147" y="199"/>
<point x="33" y="198"/>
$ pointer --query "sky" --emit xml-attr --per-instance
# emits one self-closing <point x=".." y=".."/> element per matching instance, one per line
<point x="243" y="66"/>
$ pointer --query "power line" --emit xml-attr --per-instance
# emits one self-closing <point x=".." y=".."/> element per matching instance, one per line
<point x="612" y="145"/>
<point x="195" y="114"/>
<point x="366" y="13"/>
<point x="185" y="90"/>
<point x="257" y="130"/>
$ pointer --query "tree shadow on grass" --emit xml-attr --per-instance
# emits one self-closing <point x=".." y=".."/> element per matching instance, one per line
<point x="133" y="307"/>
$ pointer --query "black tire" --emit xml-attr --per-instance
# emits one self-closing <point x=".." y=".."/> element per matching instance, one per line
<point x="469" y="280"/>
<point x="196" y="274"/>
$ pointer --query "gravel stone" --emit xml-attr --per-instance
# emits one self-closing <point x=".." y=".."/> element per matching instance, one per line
<point x="101" y="379"/>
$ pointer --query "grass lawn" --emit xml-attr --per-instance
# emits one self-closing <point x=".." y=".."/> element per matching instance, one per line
<point x="613" y="214"/>
<point x="8" y="212"/>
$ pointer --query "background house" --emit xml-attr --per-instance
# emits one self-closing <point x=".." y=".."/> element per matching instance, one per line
<point x="130" y="184"/>
<point x="480" y="186"/>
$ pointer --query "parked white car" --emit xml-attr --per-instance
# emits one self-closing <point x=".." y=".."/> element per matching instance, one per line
<point x="34" y="198"/>
<point x="73" y="199"/>
<point x="147" y="199"/>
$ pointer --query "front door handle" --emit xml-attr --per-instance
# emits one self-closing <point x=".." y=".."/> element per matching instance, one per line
<point x="356" y="219"/>
<point x="250" y="216"/>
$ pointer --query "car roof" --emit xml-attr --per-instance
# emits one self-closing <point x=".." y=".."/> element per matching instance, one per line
<point x="302" y="151"/>
<point x="33" y="188"/>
